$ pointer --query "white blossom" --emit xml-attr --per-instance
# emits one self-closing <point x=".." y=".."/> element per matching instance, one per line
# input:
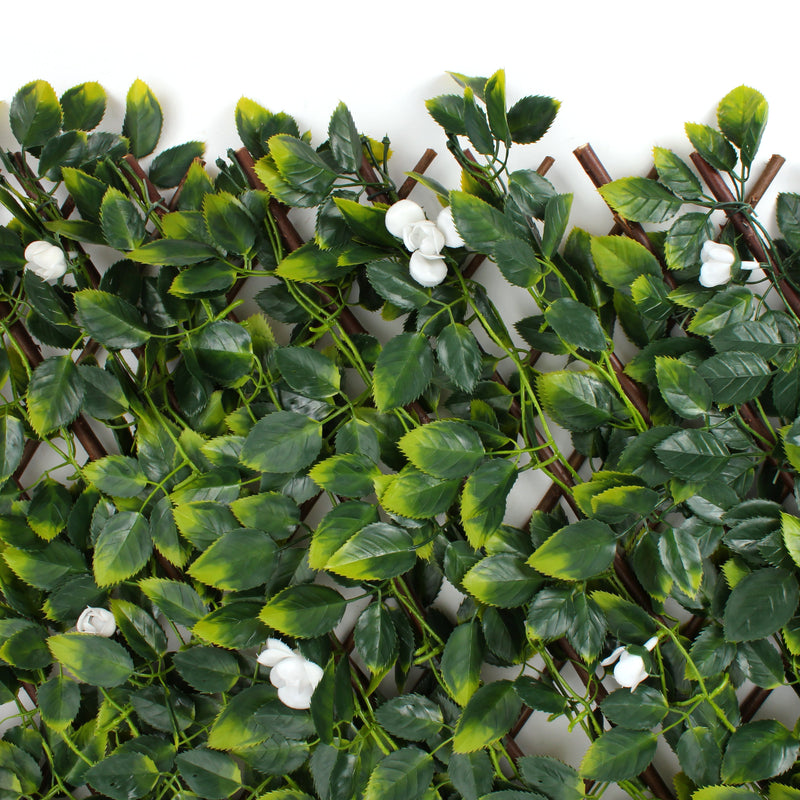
<point x="45" y="260"/>
<point x="424" y="239"/>
<point x="717" y="261"/>
<point x="293" y="675"/>
<point x="99" y="621"/>
<point x="629" y="670"/>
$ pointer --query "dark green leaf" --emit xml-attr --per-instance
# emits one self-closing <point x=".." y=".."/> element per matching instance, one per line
<point x="59" y="700"/>
<point x="641" y="710"/>
<point x="92" y="659"/>
<point x="712" y="146"/>
<point x="83" y="106"/>
<point x="576" y="324"/>
<point x="55" y="393"/>
<point x="378" y="551"/>
<point x="760" y="604"/>
<point x="502" y="580"/>
<point x="692" y="455"/>
<point x="488" y="716"/>
<point x="676" y="174"/>
<point x="289" y="611"/>
<point x="345" y="139"/>
<point x="375" y="638"/>
<point x="171" y="165"/>
<point x="308" y="371"/>
<point x="403" y="371"/>
<point x="517" y="261"/>
<point x="530" y="117"/>
<point x="230" y="225"/>
<point x="212" y="775"/>
<point x="404" y="774"/>
<point x="123" y="776"/>
<point x="618" y="755"/>
<point x="410" y="716"/>
<point x="551" y="777"/>
<point x="122" y="548"/>
<point x="283" y="441"/>
<point x="576" y="552"/>
<point x="459" y="355"/>
<point x="12" y="439"/>
<point x="35" y="114"/>
<point x="444" y="449"/>
<point x="578" y="401"/>
<point x="461" y="661"/>
<point x="483" y="501"/>
<point x="685" y="240"/>
<point x="110" y="320"/>
<point x="448" y="111"/>
<point x="481" y="226"/>
<point x="742" y="117"/>
<point x="640" y="199"/>
<point x="735" y="378"/>
<point x="759" y="750"/>
<point x="239" y="559"/>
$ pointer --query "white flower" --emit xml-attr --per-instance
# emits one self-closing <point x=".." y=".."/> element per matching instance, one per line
<point x="716" y="263"/>
<point x="45" y="260"/>
<point x="293" y="675"/>
<point x="98" y="621"/>
<point x="425" y="239"/>
<point x="630" y="671"/>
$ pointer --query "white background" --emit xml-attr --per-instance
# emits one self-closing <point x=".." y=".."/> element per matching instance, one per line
<point x="629" y="74"/>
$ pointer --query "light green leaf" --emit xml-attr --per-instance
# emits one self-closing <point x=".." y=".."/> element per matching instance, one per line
<point x="742" y="117"/>
<point x="487" y="717"/>
<point x="122" y="548"/>
<point x="712" y="146"/>
<point x="84" y="106"/>
<point x="576" y="552"/>
<point x="443" y="448"/>
<point x="122" y="223"/>
<point x="289" y="611"/>
<point x="92" y="659"/>
<point x="404" y="774"/>
<point x="481" y="226"/>
<point x="119" y="476"/>
<point x="283" y="441"/>
<point x="640" y="199"/>
<point x="378" y="551"/>
<point x="230" y="225"/>
<point x="483" y="500"/>
<point x="238" y="560"/>
<point x="35" y="114"/>
<point x="403" y="371"/>
<point x="683" y="390"/>
<point x="55" y="394"/>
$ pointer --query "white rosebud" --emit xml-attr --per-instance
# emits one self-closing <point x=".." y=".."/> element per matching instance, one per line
<point x="716" y="261"/>
<point x="45" y="260"/>
<point x="402" y="214"/>
<point x="423" y="236"/>
<point x="446" y="224"/>
<point x="293" y="675"/>
<point x="427" y="270"/>
<point x="98" y="621"/>
<point x="629" y="670"/>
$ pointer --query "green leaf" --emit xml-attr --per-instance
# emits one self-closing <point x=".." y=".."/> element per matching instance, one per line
<point x="477" y="125"/>
<point x="483" y="501"/>
<point x="502" y="580"/>
<point x="620" y="261"/>
<point x="725" y="793"/>
<point x="494" y="95"/>
<point x="461" y="661"/>
<point x="336" y="527"/>
<point x="112" y="321"/>
<point x="224" y="351"/>
<point x="676" y="175"/>
<point x="417" y="495"/>
<point x="640" y="711"/>
<point x="239" y="559"/>
<point x="59" y="700"/>
<point x="289" y="611"/>
<point x="517" y="261"/>
<point x="122" y="548"/>
<point x="142" y="633"/>
<point x="310" y="264"/>
<point x="393" y="283"/>
<point x="759" y="750"/>
<point x="92" y="659"/>
<point x="459" y="355"/>
<point x="640" y="199"/>
<point x="444" y="448"/>
<point x="530" y="117"/>
<point x="35" y="114"/>
<point x="734" y="304"/>
<point x="576" y="324"/>
<point x="790" y="530"/>
<point x="760" y="604"/>
<point x="171" y="165"/>
<point x="481" y="226"/>
<point x="576" y="552"/>
<point x="209" y="279"/>
<point x="84" y="106"/>
<point x="234" y="625"/>
<point x="345" y="139"/>
<point x="791" y="443"/>
<point x="123" y="776"/>
<point x="699" y="755"/>
<point x="551" y="777"/>
<point x="143" y="119"/>
<point x="487" y="717"/>
<point x="556" y="219"/>
<point x="86" y="191"/>
<point x="302" y="168"/>
<point x="55" y="394"/>
<point x="712" y="146"/>
<point x="123" y="226"/>
<point x="172" y="252"/>
<point x="685" y="240"/>
<point x="215" y="776"/>
<point x="788" y="214"/>
<point x="375" y="638"/>
<point x="308" y="371"/>
<point x="283" y="441"/>
<point x="12" y="439"/>
<point x="67" y="150"/>
<point x="378" y="551"/>
<point x="178" y="601"/>
<point x="578" y="401"/>
<point x="270" y="511"/>
<point x="692" y="455"/>
<point x="230" y="225"/>
<point x="410" y="716"/>
<point x="448" y="111"/>
<point x="107" y="400"/>
<point x="207" y="669"/>
<point x="403" y="371"/>
<point x="471" y="774"/>
<point x="735" y="378"/>
<point x="682" y="559"/>
<point x="742" y="117"/>
<point x="404" y="774"/>
<point x="618" y="755"/>
<point x="683" y="390"/>
<point x="118" y="476"/>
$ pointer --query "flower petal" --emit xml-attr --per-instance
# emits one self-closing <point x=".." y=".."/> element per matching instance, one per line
<point x="275" y="652"/>
<point x="427" y="270"/>
<point x="612" y="658"/>
<point x="446" y="224"/>
<point x="298" y="697"/>
<point x="402" y="214"/>
<point x="423" y="236"/>
<point x="630" y="671"/>
<point x="715" y="251"/>
<point x="714" y="273"/>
